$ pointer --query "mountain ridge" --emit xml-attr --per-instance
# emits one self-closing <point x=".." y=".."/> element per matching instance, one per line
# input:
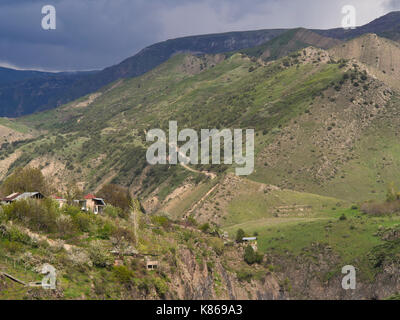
<point x="64" y="89"/>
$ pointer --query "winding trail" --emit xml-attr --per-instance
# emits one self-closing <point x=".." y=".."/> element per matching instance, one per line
<point x="184" y="156"/>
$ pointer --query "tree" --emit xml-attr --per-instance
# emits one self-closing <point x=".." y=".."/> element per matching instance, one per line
<point x="26" y="180"/>
<point x="249" y="255"/>
<point x="116" y="195"/>
<point x="74" y="193"/>
<point x="240" y="235"/>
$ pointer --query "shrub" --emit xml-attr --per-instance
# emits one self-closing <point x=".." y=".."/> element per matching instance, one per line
<point x="65" y="226"/>
<point x="244" y="275"/>
<point x="14" y="234"/>
<point x="123" y="274"/>
<point x="161" y="286"/>
<point x="115" y="212"/>
<point x="205" y="227"/>
<point x="240" y="234"/>
<point x="116" y="195"/>
<point x="37" y="215"/>
<point x="122" y="237"/>
<point x="191" y="221"/>
<point x="105" y="231"/>
<point x="217" y="245"/>
<point x="83" y="221"/>
<point x="99" y="256"/>
<point x="249" y="255"/>
<point x="380" y="208"/>
<point x="71" y="210"/>
<point x="12" y="247"/>
<point x="162" y="221"/>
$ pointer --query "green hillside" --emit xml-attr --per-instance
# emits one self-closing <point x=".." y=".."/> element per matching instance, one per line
<point x="326" y="144"/>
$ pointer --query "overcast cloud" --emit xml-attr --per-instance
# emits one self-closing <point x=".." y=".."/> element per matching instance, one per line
<point x="93" y="34"/>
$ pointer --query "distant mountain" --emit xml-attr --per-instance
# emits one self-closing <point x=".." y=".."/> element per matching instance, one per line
<point x="387" y="26"/>
<point x="35" y="94"/>
<point x="25" y="92"/>
<point x="380" y="55"/>
<point x="11" y="75"/>
<point x="290" y="41"/>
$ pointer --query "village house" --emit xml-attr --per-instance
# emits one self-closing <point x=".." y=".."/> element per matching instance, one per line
<point x="61" y="202"/>
<point x="21" y="196"/>
<point x="151" y="264"/>
<point x="92" y="203"/>
<point x="252" y="241"/>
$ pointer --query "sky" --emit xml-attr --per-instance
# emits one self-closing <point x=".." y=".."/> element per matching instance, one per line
<point x="94" y="34"/>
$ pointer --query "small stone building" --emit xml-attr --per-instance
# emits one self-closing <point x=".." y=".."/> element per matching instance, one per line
<point x="151" y="264"/>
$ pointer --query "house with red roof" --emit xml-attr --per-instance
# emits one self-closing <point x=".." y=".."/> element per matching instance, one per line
<point x="61" y="202"/>
<point x="92" y="203"/>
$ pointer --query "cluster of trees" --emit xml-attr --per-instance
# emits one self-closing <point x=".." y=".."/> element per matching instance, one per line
<point x="250" y="255"/>
<point x="116" y="195"/>
<point x="390" y="206"/>
<point x="25" y="180"/>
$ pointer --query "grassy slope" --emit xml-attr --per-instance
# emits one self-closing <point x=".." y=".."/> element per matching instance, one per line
<point x="270" y="98"/>
<point x="224" y="95"/>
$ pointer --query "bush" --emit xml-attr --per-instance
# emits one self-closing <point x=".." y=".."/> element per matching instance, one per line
<point x="12" y="247"/>
<point x="123" y="274"/>
<point x="14" y="234"/>
<point x="161" y="286"/>
<point x="217" y="245"/>
<point x="115" y="212"/>
<point x="83" y="221"/>
<point x="105" y="231"/>
<point x="244" y="275"/>
<point x="240" y="234"/>
<point x="249" y="255"/>
<point x="116" y="195"/>
<point x="205" y="227"/>
<point x="99" y="256"/>
<point x="162" y="221"/>
<point x="192" y="221"/>
<point x="37" y="215"/>
<point x="381" y="208"/>
<point x="71" y="210"/>
<point x="65" y="226"/>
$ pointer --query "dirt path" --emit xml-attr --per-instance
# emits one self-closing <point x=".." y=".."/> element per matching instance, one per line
<point x="190" y="211"/>
<point x="207" y="173"/>
<point x="52" y="243"/>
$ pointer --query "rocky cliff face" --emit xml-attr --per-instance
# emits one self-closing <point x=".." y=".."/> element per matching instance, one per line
<point x="295" y="278"/>
<point x="200" y="282"/>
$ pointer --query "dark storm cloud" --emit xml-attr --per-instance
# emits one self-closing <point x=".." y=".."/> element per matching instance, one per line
<point x="393" y="5"/>
<point x="93" y="34"/>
